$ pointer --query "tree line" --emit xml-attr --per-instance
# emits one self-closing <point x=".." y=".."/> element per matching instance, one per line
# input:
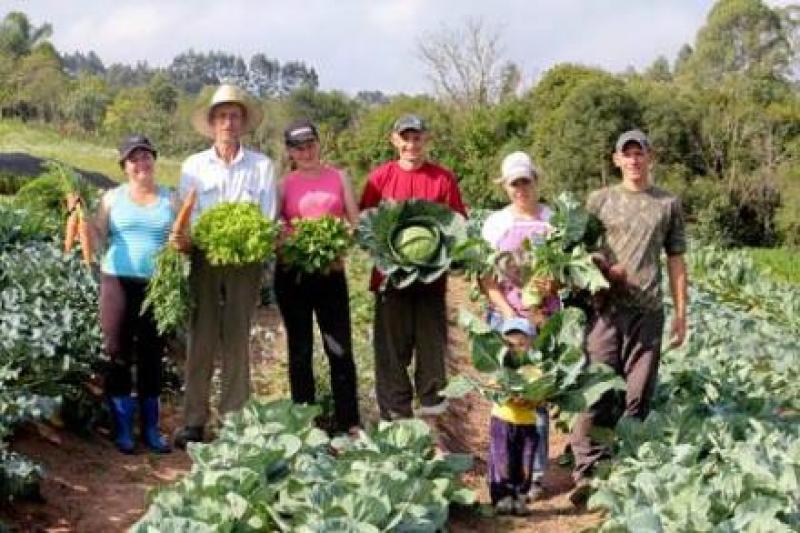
<point x="723" y="115"/>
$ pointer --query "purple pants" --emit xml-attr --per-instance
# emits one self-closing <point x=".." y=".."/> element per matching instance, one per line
<point x="512" y="450"/>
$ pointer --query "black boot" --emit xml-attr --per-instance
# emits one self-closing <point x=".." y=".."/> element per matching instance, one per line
<point x="150" y="433"/>
<point x="188" y="434"/>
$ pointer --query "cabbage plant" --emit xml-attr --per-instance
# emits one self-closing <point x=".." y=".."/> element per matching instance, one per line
<point x="411" y="241"/>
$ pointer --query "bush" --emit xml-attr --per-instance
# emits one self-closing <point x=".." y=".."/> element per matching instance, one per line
<point x="44" y="195"/>
<point x="11" y="183"/>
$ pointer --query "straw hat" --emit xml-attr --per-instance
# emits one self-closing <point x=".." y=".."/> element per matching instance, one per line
<point x="225" y="94"/>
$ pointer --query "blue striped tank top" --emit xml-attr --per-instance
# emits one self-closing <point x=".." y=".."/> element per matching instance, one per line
<point x="136" y="233"/>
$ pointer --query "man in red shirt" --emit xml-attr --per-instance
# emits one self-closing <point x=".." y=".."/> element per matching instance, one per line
<point x="412" y="321"/>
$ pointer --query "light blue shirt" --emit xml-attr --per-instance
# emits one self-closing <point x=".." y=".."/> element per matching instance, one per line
<point x="136" y="233"/>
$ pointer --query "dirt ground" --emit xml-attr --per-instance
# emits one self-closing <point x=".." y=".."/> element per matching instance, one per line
<point x="90" y="487"/>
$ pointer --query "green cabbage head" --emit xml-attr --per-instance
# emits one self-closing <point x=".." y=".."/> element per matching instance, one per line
<point x="417" y="244"/>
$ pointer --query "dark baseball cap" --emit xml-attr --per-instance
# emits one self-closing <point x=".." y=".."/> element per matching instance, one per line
<point x="409" y="122"/>
<point x="299" y="132"/>
<point x="635" y="136"/>
<point x="135" y="142"/>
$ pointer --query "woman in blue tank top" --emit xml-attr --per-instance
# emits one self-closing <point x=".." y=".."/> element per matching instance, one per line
<point x="134" y="220"/>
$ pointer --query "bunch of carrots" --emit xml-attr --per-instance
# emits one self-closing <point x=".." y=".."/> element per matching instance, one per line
<point x="77" y="226"/>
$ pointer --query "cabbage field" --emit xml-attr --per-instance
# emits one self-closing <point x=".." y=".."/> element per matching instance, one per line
<point x="719" y="453"/>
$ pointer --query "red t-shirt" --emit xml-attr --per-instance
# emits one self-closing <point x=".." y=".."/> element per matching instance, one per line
<point x="430" y="182"/>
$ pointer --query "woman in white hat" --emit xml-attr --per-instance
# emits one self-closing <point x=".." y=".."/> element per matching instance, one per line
<point x="224" y="297"/>
<point x="517" y="429"/>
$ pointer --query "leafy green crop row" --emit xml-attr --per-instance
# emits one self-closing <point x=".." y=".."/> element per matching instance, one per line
<point x="735" y="279"/>
<point x="721" y="450"/>
<point x="271" y="469"/>
<point x="50" y="347"/>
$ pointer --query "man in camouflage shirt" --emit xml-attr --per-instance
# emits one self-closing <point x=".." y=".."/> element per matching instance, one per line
<point x="625" y="331"/>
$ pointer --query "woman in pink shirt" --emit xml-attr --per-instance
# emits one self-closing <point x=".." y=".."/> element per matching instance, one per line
<point x="311" y="190"/>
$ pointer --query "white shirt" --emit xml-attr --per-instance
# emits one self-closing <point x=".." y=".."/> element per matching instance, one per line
<point x="250" y="177"/>
<point x="498" y="224"/>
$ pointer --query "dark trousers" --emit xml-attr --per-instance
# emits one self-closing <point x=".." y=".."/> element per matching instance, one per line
<point x="410" y="323"/>
<point x="512" y="451"/>
<point x="129" y="337"/>
<point x="300" y="297"/>
<point x="629" y="341"/>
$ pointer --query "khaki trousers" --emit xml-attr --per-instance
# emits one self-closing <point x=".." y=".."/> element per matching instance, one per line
<point x="224" y="301"/>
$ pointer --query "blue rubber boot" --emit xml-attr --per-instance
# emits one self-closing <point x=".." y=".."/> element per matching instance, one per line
<point x="150" y="434"/>
<point x="122" y="410"/>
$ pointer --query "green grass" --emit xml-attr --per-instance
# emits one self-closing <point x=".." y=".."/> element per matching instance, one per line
<point x="46" y="142"/>
<point x="783" y="263"/>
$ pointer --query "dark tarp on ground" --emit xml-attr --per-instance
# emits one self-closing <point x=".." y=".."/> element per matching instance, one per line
<point x="21" y="164"/>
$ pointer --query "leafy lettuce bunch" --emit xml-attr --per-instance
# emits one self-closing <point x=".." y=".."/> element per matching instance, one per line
<point x="235" y="234"/>
<point x="553" y="371"/>
<point x="411" y="241"/>
<point x="315" y="243"/>
<point x="564" y="255"/>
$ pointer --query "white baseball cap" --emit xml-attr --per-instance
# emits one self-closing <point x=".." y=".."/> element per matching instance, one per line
<point x="517" y="165"/>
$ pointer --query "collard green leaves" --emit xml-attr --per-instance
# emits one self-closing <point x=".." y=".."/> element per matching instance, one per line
<point x="553" y="371"/>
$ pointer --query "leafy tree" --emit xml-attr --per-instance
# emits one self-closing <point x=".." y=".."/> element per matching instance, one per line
<point x="371" y="98"/>
<point x="86" y="103"/>
<point x="163" y="94"/>
<point x="79" y="63"/>
<point x="742" y="36"/>
<point x="133" y="111"/>
<point x="659" y="70"/>
<point x="18" y="37"/>
<point x="296" y="75"/>
<point x="119" y="75"/>
<point x="264" y="76"/>
<point x="39" y="84"/>
<point x="583" y="112"/>
<point x="334" y="110"/>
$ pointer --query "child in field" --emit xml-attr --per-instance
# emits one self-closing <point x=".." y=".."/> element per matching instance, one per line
<point x="513" y="437"/>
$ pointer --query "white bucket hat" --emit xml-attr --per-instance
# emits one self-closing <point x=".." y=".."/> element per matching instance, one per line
<point x="227" y="94"/>
<point x="517" y="165"/>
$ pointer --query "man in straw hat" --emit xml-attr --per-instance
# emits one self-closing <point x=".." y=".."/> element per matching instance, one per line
<point x="224" y="297"/>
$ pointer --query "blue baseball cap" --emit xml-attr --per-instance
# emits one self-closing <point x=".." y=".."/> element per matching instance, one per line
<point x="517" y="325"/>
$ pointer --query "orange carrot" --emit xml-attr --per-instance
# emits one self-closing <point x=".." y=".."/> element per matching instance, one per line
<point x="70" y="231"/>
<point x="182" y="219"/>
<point x="86" y="238"/>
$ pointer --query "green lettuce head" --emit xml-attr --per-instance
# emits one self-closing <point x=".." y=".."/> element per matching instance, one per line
<point x="411" y="241"/>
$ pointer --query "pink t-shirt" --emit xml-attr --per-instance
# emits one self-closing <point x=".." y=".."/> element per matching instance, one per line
<point x="309" y="196"/>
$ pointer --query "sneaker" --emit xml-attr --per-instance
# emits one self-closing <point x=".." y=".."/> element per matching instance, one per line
<point x="581" y="493"/>
<point x="521" y="506"/>
<point x="505" y="506"/>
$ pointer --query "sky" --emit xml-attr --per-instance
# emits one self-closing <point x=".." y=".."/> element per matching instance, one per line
<point x="370" y="44"/>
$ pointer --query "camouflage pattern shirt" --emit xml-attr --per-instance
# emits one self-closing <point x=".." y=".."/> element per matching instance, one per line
<point x="639" y="224"/>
